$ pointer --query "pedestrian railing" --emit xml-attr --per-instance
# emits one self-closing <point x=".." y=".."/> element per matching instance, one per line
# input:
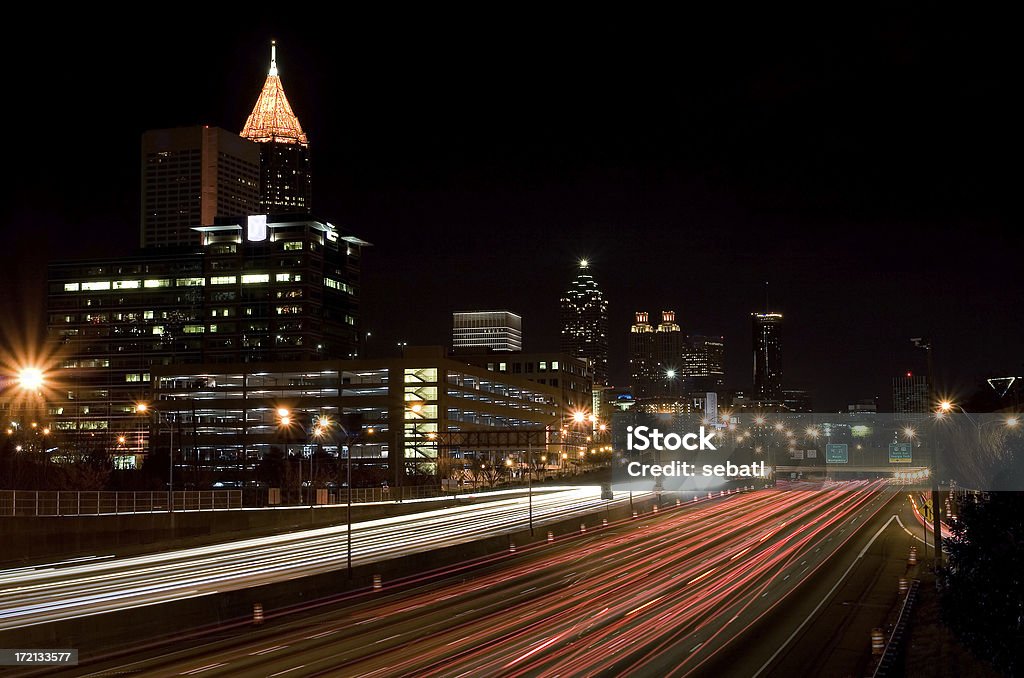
<point x="61" y="503"/>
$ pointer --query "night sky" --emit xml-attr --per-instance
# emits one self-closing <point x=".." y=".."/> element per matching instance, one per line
<point x="861" y="166"/>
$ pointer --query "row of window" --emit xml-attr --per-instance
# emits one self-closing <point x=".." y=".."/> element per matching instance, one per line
<point x="248" y="279"/>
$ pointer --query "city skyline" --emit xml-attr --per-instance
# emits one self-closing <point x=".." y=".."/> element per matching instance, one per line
<point x="635" y="208"/>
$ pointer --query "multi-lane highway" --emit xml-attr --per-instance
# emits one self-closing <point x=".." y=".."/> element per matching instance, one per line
<point x="37" y="595"/>
<point x="666" y="595"/>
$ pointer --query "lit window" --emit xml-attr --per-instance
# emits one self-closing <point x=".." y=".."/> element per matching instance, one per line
<point x="283" y="277"/>
<point x="191" y="282"/>
<point x="70" y="287"/>
<point x="223" y="280"/>
<point x="554" y="365"/>
<point x="126" y="284"/>
<point x="194" y="329"/>
<point x="147" y="315"/>
<point x="164" y="282"/>
<point x="105" y="285"/>
<point x="293" y="245"/>
<point x="255" y="278"/>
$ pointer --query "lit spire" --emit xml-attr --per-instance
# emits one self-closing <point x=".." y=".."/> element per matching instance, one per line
<point x="584" y="263"/>
<point x="272" y="118"/>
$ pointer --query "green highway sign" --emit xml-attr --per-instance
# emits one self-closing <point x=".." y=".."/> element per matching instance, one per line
<point x="837" y="453"/>
<point x="900" y="453"/>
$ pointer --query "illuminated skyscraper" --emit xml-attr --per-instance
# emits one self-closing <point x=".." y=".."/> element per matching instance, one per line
<point x="767" y="356"/>
<point x="192" y="175"/>
<point x="703" y="366"/>
<point x="285" y="179"/>
<point x="585" y="323"/>
<point x="656" y="356"/>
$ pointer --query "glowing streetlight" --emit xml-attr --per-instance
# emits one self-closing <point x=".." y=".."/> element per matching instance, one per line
<point x="578" y="416"/>
<point x="30" y="379"/>
<point x="1012" y="422"/>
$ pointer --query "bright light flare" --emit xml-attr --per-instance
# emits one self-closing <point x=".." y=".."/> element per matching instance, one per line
<point x="30" y="379"/>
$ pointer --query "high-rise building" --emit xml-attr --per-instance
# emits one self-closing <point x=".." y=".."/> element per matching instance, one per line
<point x="282" y="289"/>
<point x="767" y="356"/>
<point x="585" y="323"/>
<point x="285" y="176"/>
<point x="191" y="176"/>
<point x="656" y="356"/>
<point x="910" y="394"/>
<point x="703" y="365"/>
<point x="488" y="330"/>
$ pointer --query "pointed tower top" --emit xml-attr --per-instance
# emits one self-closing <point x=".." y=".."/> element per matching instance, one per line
<point x="272" y="119"/>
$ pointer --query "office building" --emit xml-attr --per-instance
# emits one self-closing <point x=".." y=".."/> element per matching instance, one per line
<point x="281" y="289"/>
<point x="191" y="176"/>
<point x="767" y="356"/>
<point x="285" y="174"/>
<point x="585" y="323"/>
<point x="703" y="363"/>
<point x="656" y="356"/>
<point x="473" y="331"/>
<point x="910" y="395"/>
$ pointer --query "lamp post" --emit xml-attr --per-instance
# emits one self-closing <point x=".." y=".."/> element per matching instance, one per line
<point x="143" y="408"/>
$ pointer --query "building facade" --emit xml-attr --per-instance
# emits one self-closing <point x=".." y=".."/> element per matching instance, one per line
<point x="703" y="363"/>
<point x="410" y="416"/>
<point x="910" y="395"/>
<point x="286" y="184"/>
<point x="474" y="331"/>
<point x="191" y="176"/>
<point x="585" y="323"/>
<point x="284" y="289"/>
<point x="656" y="356"/>
<point x="767" y="356"/>
<point x="570" y="375"/>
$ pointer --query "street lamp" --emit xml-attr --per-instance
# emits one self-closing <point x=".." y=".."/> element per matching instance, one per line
<point x="31" y="379"/>
<point x="143" y="409"/>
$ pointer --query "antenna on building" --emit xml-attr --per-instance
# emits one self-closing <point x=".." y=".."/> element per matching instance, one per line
<point x="273" y="57"/>
<point x="766" y="306"/>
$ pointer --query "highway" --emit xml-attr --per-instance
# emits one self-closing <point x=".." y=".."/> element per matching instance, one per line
<point x="36" y="595"/>
<point x="667" y="595"/>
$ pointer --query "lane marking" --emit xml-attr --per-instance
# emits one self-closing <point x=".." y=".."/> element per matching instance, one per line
<point x="201" y="669"/>
<point x="267" y="650"/>
<point x="281" y="673"/>
<point x="909" y="532"/>
<point x="827" y="597"/>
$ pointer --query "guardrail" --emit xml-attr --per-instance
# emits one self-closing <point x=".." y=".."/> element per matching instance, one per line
<point x="60" y="503"/>
<point x="887" y="662"/>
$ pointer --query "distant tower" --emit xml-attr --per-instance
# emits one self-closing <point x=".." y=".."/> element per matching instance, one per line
<point x="656" y="356"/>
<point x="585" y="323"/>
<point x="910" y="394"/>
<point x="767" y="356"/>
<point x="285" y="180"/>
<point x="190" y="176"/>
